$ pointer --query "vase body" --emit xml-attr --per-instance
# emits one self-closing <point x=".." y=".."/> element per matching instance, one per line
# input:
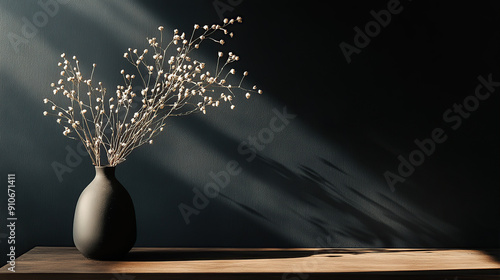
<point x="104" y="226"/>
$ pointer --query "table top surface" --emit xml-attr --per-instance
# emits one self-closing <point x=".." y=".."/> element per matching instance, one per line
<point x="67" y="260"/>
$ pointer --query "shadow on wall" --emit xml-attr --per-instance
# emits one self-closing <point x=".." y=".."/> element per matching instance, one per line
<point x="351" y="222"/>
<point x="272" y="205"/>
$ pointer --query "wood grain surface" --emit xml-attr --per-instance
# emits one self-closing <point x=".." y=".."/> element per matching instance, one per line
<point x="296" y="264"/>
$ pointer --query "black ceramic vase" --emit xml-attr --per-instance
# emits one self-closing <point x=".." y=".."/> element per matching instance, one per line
<point x="104" y="226"/>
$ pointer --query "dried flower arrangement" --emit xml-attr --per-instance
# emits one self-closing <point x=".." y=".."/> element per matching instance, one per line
<point x="173" y="84"/>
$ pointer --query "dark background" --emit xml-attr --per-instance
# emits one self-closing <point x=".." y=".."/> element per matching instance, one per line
<point x="320" y="182"/>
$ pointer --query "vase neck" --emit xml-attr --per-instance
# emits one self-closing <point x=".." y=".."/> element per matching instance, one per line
<point x="106" y="171"/>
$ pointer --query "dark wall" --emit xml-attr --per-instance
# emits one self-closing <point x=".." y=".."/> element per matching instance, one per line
<point x="420" y="94"/>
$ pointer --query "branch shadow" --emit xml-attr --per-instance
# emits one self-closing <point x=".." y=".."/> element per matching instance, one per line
<point x="375" y="220"/>
<point x="310" y="188"/>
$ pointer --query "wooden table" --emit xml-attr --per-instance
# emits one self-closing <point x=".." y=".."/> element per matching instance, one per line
<point x="283" y="264"/>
